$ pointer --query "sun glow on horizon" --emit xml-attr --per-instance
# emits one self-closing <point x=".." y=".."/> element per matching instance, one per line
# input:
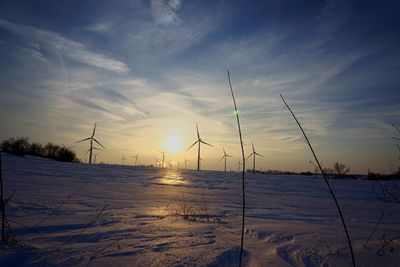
<point x="173" y="144"/>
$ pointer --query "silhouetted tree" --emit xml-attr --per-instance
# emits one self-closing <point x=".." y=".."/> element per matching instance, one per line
<point x="36" y="149"/>
<point x="328" y="172"/>
<point x="340" y="169"/>
<point x="66" y="155"/>
<point x="18" y="146"/>
<point x="51" y="150"/>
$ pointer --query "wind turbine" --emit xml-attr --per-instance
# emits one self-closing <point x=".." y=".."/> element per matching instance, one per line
<point x="224" y="157"/>
<point x="91" y="139"/>
<point x="123" y="159"/>
<point x="136" y="158"/>
<point x="254" y="154"/>
<point x="157" y="162"/>
<point x="163" y="158"/>
<point x="199" y="141"/>
<point x="239" y="164"/>
<point x="186" y="160"/>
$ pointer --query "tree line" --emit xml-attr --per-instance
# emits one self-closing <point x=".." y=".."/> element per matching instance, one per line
<point x="21" y="146"/>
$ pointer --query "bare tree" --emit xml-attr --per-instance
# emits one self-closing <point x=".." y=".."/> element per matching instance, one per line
<point x="340" y="169"/>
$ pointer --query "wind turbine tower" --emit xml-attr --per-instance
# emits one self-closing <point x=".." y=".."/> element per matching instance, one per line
<point x="91" y="139"/>
<point x="123" y="159"/>
<point x="254" y="154"/>
<point x="163" y="158"/>
<point x="199" y="141"/>
<point x="224" y="157"/>
<point x="136" y="158"/>
<point x="239" y="164"/>
<point x="186" y="160"/>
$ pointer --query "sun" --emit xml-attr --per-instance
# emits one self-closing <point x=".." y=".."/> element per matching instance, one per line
<point x="173" y="144"/>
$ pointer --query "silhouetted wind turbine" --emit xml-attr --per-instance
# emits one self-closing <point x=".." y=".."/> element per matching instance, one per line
<point x="95" y="157"/>
<point x="163" y="158"/>
<point x="224" y="157"/>
<point x="199" y="141"/>
<point x="136" y="158"/>
<point x="93" y="147"/>
<point x="239" y="164"/>
<point x="186" y="160"/>
<point x="123" y="159"/>
<point x="254" y="154"/>
<point x="91" y="139"/>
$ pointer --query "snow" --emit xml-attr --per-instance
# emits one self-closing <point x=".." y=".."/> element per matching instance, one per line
<point x="70" y="214"/>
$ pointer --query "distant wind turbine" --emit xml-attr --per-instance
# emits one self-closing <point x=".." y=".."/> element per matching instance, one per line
<point x="254" y="154"/>
<point x="157" y="162"/>
<point x="199" y="141"/>
<point x="186" y="160"/>
<point x="163" y="158"/>
<point x="136" y="158"/>
<point x="123" y="159"/>
<point x="239" y="164"/>
<point x="224" y="157"/>
<point x="91" y="139"/>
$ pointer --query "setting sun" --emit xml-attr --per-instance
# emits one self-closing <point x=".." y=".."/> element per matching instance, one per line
<point x="173" y="144"/>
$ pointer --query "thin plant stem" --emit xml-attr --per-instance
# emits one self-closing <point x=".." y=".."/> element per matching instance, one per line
<point x="373" y="231"/>
<point x="385" y="244"/>
<point x="326" y="181"/>
<point x="83" y="229"/>
<point x="243" y="171"/>
<point x="3" y="215"/>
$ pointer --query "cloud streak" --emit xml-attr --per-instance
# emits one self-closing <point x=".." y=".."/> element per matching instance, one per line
<point x="164" y="12"/>
<point x="57" y="43"/>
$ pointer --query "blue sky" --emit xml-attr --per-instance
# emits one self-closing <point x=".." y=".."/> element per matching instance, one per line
<point x="149" y="70"/>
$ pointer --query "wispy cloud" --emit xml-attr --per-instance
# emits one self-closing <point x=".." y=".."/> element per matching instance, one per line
<point x="56" y="43"/>
<point x="164" y="12"/>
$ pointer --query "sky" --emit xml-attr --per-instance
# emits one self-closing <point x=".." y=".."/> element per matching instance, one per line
<point x="148" y="71"/>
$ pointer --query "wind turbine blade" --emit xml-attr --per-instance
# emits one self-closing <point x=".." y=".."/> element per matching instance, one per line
<point x="224" y="151"/>
<point x="96" y="148"/>
<point x="198" y="134"/>
<point x="395" y="126"/>
<point x="83" y="140"/>
<point x="87" y="151"/>
<point x="252" y="144"/>
<point x="94" y="129"/>
<point x="395" y="138"/>
<point x="98" y="142"/>
<point x="229" y="156"/>
<point x="206" y="143"/>
<point x="258" y="154"/>
<point x="250" y="155"/>
<point x="192" y="145"/>
<point x="222" y="157"/>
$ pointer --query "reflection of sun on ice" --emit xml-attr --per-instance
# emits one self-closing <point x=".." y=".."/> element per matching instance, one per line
<point x="173" y="144"/>
<point x="172" y="177"/>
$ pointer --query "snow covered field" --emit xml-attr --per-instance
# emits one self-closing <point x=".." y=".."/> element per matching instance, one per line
<point x="109" y="215"/>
